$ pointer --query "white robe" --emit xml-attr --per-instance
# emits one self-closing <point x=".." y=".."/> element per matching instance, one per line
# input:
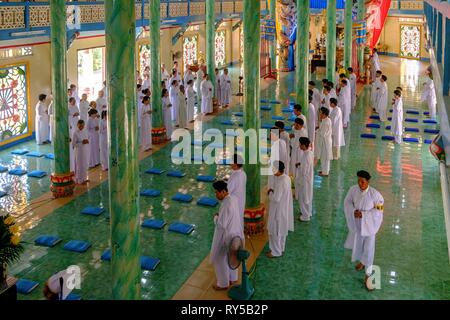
<point x="294" y="143"/>
<point x="188" y="76"/>
<point x="373" y="95"/>
<point x="397" y="120"/>
<point x="167" y="108"/>
<point x="52" y="128"/>
<point x="207" y="95"/>
<point x="362" y="232"/>
<point x="165" y="77"/>
<point x="42" y="123"/>
<point x="279" y="152"/>
<point x="312" y="122"/>
<point x="304" y="180"/>
<point x="94" y="141"/>
<point x="81" y="152"/>
<point x="146" y="127"/>
<point x="102" y="104"/>
<point x="84" y="108"/>
<point x="73" y="120"/>
<point x="353" y="88"/>
<point x="236" y="187"/>
<point x="345" y="102"/>
<point x="182" y="112"/>
<point x="429" y="96"/>
<point x="190" y="95"/>
<point x="317" y="102"/>
<point x="104" y="152"/>
<point x="217" y="89"/>
<point x="382" y="100"/>
<point x="324" y="141"/>
<point x="177" y="77"/>
<point x="225" y="89"/>
<point x="198" y="82"/>
<point x="175" y="101"/>
<point x="337" y="128"/>
<point x="325" y="101"/>
<point x="227" y="226"/>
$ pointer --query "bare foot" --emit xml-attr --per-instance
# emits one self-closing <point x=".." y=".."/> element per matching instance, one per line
<point x="217" y="288"/>
<point x="359" y="267"/>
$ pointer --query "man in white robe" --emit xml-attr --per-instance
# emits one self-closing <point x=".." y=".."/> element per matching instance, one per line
<point x="74" y="115"/>
<point x="337" y="129"/>
<point x="102" y="103"/>
<point x="190" y="102"/>
<point x="325" y="98"/>
<point x="382" y="98"/>
<point x="316" y="100"/>
<point x="281" y="211"/>
<point x="80" y="144"/>
<point x="227" y="226"/>
<point x="375" y="64"/>
<point x="225" y="88"/>
<point x="397" y="117"/>
<point x="165" y="76"/>
<point x="279" y="150"/>
<point x="345" y="102"/>
<point x="375" y="87"/>
<point x="175" y="76"/>
<point x="83" y="107"/>
<point x="303" y="169"/>
<point x="312" y="121"/>
<point x="167" y="108"/>
<point x="104" y="147"/>
<point x="298" y="113"/>
<point x="146" y="124"/>
<point x="74" y="90"/>
<point x="93" y="128"/>
<point x="198" y="82"/>
<point x="207" y="89"/>
<point x="174" y="99"/>
<point x="352" y="79"/>
<point x="42" y="121"/>
<point x="324" y="141"/>
<point x="237" y="184"/>
<point x="188" y="75"/>
<point x="363" y="207"/>
<point x="182" y="112"/>
<point x="298" y="131"/>
<point x="429" y="95"/>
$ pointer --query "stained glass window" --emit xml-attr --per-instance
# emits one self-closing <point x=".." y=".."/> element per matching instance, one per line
<point x="190" y="48"/>
<point x="220" y="48"/>
<point x="13" y="103"/>
<point x="241" y="40"/>
<point x="144" y="58"/>
<point x="410" y="41"/>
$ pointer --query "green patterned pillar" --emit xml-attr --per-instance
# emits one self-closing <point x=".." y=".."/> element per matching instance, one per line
<point x="252" y="43"/>
<point x="210" y="41"/>
<point x="273" y="45"/>
<point x="302" y="54"/>
<point x="158" y="129"/>
<point x="62" y="179"/>
<point x="331" y="38"/>
<point x="120" y="30"/>
<point x="361" y="16"/>
<point x="348" y="29"/>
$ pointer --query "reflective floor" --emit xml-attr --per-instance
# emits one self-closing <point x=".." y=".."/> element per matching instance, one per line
<point x="411" y="247"/>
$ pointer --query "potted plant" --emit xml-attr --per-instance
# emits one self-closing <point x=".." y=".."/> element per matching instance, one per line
<point x="10" y="245"/>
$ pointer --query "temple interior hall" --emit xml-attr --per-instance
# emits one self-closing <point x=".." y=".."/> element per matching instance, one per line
<point x="225" y="150"/>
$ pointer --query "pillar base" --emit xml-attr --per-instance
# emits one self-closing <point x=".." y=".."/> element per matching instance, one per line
<point x="254" y="220"/>
<point x="62" y="184"/>
<point x="159" y="135"/>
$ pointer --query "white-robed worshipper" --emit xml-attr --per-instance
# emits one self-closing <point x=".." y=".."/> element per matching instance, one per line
<point x="167" y="109"/>
<point x="102" y="102"/>
<point x="140" y="94"/>
<point x="105" y="89"/>
<point x="228" y="225"/>
<point x="312" y="121"/>
<point x="175" y="76"/>
<point x="237" y="184"/>
<point x="42" y="121"/>
<point x="303" y="169"/>
<point x="281" y="210"/>
<point x="279" y="150"/>
<point x="174" y="99"/>
<point x="207" y="89"/>
<point x="51" y="114"/>
<point x="337" y="129"/>
<point x="182" y="112"/>
<point x="284" y="136"/>
<point x="298" y="131"/>
<point x="83" y="107"/>
<point x="217" y="88"/>
<point x="333" y="93"/>
<point x="80" y="144"/>
<point x="93" y="126"/>
<point x="325" y="98"/>
<point x="190" y="102"/>
<point x="397" y="116"/>
<point x="352" y="79"/>
<point x="298" y="113"/>
<point x="225" y="88"/>
<point x="74" y="114"/>
<point x="374" y="89"/>
<point x="375" y="64"/>
<point x="175" y="66"/>
<point x="165" y="76"/>
<point x="74" y="91"/>
<point x="429" y="94"/>
<point x="146" y="124"/>
<point x="345" y="102"/>
<point x="316" y="100"/>
<point x="363" y="207"/>
<point x="382" y="98"/>
<point x="324" y="142"/>
<point x="198" y="82"/>
<point x="104" y="151"/>
<point x="146" y="83"/>
<point x="60" y="285"/>
<point x="188" y="75"/>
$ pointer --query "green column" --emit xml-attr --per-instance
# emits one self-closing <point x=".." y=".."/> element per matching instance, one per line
<point x="273" y="45"/>
<point x="210" y="41"/>
<point x="252" y="42"/>
<point x="348" y="29"/>
<point x="361" y="16"/>
<point x="331" y="38"/>
<point x="120" y="30"/>
<point x="59" y="85"/>
<point x="302" y="54"/>
<point x="155" y="63"/>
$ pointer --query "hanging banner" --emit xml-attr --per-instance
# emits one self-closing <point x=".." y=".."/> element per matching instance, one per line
<point x="377" y="11"/>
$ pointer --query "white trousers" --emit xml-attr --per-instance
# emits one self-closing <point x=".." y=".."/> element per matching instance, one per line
<point x="398" y="138"/>
<point x="432" y="110"/>
<point x="325" y="166"/>
<point x="305" y="208"/>
<point x="364" y="251"/>
<point x="277" y="245"/>
<point x="223" y="272"/>
<point x="336" y="153"/>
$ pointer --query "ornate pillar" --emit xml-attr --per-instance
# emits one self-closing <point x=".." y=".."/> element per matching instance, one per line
<point x="120" y="30"/>
<point x="158" y="129"/>
<point x="210" y="41"/>
<point x="348" y="30"/>
<point x="302" y="63"/>
<point x="254" y="213"/>
<point x="361" y="15"/>
<point x="273" y="46"/>
<point x="331" y="38"/>
<point x="62" y="179"/>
